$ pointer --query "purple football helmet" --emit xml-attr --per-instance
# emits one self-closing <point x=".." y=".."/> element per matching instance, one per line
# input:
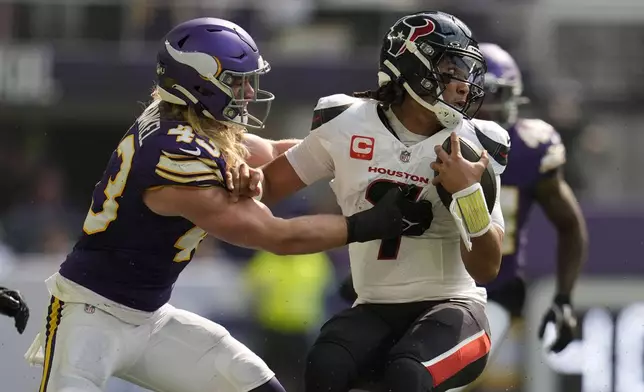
<point x="214" y="66"/>
<point x="503" y="86"/>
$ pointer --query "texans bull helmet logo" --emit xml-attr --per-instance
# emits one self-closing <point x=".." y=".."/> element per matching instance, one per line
<point x="408" y="29"/>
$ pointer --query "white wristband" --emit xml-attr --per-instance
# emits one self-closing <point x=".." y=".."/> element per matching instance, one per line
<point x="469" y="209"/>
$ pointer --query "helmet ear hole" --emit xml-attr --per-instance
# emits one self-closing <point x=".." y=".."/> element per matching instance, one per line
<point x="182" y="41"/>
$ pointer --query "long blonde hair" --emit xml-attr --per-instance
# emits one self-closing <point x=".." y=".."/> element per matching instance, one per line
<point x="226" y="135"/>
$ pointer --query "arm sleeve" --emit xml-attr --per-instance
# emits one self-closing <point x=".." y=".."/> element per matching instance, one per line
<point x="311" y="160"/>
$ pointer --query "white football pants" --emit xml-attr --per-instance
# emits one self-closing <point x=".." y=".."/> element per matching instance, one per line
<point x="175" y="351"/>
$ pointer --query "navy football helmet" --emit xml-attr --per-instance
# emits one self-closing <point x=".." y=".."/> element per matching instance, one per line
<point x="417" y="52"/>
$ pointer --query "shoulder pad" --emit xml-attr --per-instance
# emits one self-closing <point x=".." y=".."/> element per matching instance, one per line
<point x="494" y="138"/>
<point x="183" y="157"/>
<point x="184" y="140"/>
<point x="331" y="107"/>
<point x="538" y="134"/>
<point x="535" y="132"/>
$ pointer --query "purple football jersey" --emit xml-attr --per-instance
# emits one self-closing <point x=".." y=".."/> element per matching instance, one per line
<point x="126" y="252"/>
<point x="536" y="152"/>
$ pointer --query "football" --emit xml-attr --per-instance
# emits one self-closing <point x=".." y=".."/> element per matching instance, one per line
<point x="488" y="179"/>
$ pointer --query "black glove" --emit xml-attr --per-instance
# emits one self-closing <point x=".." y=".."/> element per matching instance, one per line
<point x="561" y="313"/>
<point x="13" y="305"/>
<point x="417" y="216"/>
<point x="392" y="216"/>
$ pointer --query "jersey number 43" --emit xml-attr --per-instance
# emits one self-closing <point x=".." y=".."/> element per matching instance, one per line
<point x="113" y="187"/>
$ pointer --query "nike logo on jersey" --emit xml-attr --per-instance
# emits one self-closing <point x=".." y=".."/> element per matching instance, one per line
<point x="195" y="152"/>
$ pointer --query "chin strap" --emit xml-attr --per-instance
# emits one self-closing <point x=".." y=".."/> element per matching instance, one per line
<point x="447" y="116"/>
<point x="470" y="213"/>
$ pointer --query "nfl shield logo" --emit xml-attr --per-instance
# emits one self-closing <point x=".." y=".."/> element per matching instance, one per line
<point x="404" y="156"/>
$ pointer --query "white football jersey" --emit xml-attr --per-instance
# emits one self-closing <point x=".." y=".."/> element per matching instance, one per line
<point x="351" y="144"/>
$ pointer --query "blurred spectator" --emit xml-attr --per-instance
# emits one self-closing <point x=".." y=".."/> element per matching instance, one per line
<point x="43" y="222"/>
<point x="288" y="295"/>
<point x="564" y="113"/>
<point x="7" y="257"/>
<point x="15" y="165"/>
<point x="288" y="300"/>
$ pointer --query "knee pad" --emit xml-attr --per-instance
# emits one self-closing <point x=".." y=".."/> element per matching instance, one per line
<point x="329" y="368"/>
<point x="406" y="374"/>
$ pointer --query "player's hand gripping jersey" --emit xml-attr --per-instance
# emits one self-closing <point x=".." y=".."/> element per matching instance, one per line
<point x="351" y="143"/>
<point x="127" y="253"/>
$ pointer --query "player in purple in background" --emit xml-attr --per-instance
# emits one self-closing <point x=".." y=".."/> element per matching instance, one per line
<point x="533" y="176"/>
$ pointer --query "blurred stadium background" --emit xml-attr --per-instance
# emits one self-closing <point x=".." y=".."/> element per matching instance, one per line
<point x="73" y="75"/>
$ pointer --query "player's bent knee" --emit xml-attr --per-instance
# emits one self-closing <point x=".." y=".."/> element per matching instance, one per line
<point x="240" y="366"/>
<point x="329" y="356"/>
<point x="329" y="368"/>
<point x="405" y="374"/>
<point x="74" y="384"/>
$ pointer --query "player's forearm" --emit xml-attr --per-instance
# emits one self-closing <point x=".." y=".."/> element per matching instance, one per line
<point x="263" y="150"/>
<point x="560" y="205"/>
<point x="279" y="181"/>
<point x="281" y="146"/>
<point x="272" y="195"/>
<point x="571" y="255"/>
<point x="484" y="260"/>
<point x="310" y="234"/>
<point x="306" y="234"/>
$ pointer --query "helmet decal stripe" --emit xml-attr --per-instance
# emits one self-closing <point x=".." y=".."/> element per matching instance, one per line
<point x="207" y="66"/>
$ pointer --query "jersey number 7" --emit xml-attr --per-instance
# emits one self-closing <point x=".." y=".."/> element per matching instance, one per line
<point x="375" y="191"/>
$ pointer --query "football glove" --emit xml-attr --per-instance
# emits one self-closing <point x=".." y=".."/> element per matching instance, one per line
<point x="562" y="315"/>
<point x="392" y="216"/>
<point x="13" y="305"/>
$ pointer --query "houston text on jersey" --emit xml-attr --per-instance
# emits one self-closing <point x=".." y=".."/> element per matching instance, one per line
<point x="398" y="173"/>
